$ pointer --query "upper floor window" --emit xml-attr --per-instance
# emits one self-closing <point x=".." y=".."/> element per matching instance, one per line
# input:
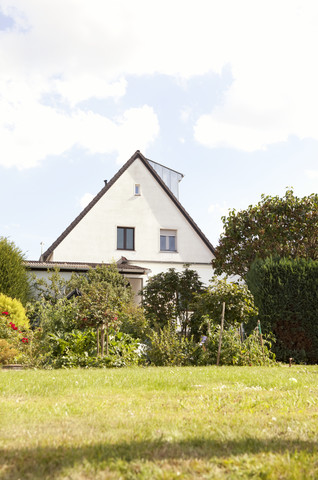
<point x="168" y="240"/>
<point x="137" y="189"/>
<point x="125" y="238"/>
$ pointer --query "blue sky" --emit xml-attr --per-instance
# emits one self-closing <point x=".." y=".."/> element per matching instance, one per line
<point x="224" y="92"/>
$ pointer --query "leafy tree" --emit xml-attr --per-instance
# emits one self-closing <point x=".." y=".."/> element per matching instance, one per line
<point x="104" y="291"/>
<point x="287" y="227"/>
<point x="168" y="298"/>
<point x="99" y="304"/>
<point x="239" y="306"/>
<point x="14" y="280"/>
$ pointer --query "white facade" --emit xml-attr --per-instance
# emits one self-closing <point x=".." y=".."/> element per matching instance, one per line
<point x="139" y="202"/>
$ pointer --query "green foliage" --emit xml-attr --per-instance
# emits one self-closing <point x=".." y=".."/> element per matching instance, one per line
<point x="14" y="280"/>
<point x="78" y="349"/>
<point x="239" y="306"/>
<point x="101" y="275"/>
<point x="168" y="347"/>
<point x="133" y="321"/>
<point x="234" y="351"/>
<point x="286" y="293"/>
<point x="15" y="311"/>
<point x="168" y="296"/>
<point x="285" y="226"/>
<point x="62" y="316"/>
<point x="7" y="352"/>
<point x="51" y="289"/>
<point x="104" y="295"/>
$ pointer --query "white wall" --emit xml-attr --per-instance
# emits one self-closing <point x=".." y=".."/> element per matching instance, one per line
<point x="94" y="239"/>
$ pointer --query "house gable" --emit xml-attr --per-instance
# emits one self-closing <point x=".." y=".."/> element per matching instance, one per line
<point x="154" y="210"/>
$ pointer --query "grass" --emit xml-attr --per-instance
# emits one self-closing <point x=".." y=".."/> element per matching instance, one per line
<point x="160" y="423"/>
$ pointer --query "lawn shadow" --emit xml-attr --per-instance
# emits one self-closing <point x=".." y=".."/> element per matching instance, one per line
<point x="47" y="462"/>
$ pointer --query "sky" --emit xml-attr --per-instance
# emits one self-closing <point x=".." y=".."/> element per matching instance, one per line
<point x="224" y="92"/>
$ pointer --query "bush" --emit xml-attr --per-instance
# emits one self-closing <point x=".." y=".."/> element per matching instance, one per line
<point x="15" y="310"/>
<point x="133" y="321"/>
<point x="168" y="347"/>
<point x="7" y="352"/>
<point x="14" y="280"/>
<point x="78" y="349"/>
<point x="234" y="351"/>
<point x="239" y="306"/>
<point x="286" y="293"/>
<point x="61" y="316"/>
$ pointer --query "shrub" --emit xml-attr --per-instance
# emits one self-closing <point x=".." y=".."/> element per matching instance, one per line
<point x="168" y="347"/>
<point x="133" y="321"/>
<point x="7" y="352"/>
<point x="78" y="349"/>
<point x="239" y="306"/>
<point x="15" y="311"/>
<point x="168" y="297"/>
<point x="14" y="280"/>
<point x="286" y="293"/>
<point x="234" y="351"/>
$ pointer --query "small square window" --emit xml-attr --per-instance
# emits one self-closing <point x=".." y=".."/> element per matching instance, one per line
<point x="137" y="189"/>
<point x="125" y="238"/>
<point x="168" y="240"/>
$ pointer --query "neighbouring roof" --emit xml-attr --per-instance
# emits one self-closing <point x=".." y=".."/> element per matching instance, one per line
<point x="147" y="164"/>
<point x="122" y="265"/>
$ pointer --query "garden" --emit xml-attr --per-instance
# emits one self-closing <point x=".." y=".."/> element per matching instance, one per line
<point x="216" y="381"/>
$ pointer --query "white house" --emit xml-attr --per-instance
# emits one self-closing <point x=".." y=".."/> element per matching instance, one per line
<point x="137" y="221"/>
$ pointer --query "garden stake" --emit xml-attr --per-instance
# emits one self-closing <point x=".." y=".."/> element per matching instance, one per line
<point x="221" y="332"/>
<point x="102" y="340"/>
<point x="260" y="335"/>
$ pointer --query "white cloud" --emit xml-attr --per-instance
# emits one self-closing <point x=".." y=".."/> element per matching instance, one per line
<point x="273" y="94"/>
<point x="312" y="174"/>
<point x="86" y="199"/>
<point x="83" y="50"/>
<point x="218" y="210"/>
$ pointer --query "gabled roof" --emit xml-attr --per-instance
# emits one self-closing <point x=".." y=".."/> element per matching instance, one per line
<point x="145" y="161"/>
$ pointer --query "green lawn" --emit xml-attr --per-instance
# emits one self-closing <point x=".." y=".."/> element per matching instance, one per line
<point x="160" y="423"/>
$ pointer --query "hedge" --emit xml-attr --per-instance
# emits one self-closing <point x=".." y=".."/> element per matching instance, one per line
<point x="286" y="294"/>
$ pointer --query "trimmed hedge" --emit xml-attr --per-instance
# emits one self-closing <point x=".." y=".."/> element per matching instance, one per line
<point x="286" y="294"/>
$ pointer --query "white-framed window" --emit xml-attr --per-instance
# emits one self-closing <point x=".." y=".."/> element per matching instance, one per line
<point x="137" y="189"/>
<point x="168" y="240"/>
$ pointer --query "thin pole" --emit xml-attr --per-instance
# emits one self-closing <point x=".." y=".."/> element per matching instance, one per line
<point x="260" y="335"/>
<point x="221" y="332"/>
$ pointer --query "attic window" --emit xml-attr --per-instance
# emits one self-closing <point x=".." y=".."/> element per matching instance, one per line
<point x="168" y="240"/>
<point x="137" y="189"/>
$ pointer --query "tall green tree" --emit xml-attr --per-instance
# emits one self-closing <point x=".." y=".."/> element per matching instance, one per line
<point x="14" y="279"/>
<point x="286" y="227"/>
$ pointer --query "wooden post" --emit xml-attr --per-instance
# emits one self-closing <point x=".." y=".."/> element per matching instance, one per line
<point x="107" y="341"/>
<point x="260" y="335"/>
<point x="221" y="332"/>
<point x="98" y="341"/>
<point x="102" y="338"/>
